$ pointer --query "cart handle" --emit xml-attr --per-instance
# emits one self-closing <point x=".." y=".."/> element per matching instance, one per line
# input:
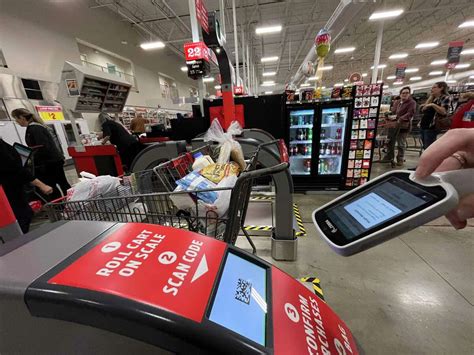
<point x="264" y="171"/>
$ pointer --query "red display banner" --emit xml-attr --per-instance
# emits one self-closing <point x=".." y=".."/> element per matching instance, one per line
<point x="454" y="54"/>
<point x="201" y="14"/>
<point x="299" y="315"/>
<point x="400" y="71"/>
<point x="196" y="51"/>
<point x="168" y="268"/>
<point x="218" y="112"/>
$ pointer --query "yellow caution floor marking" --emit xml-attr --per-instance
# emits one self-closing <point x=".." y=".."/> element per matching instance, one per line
<point x="316" y="285"/>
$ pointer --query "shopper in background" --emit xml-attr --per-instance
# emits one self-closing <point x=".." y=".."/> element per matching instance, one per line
<point x="403" y="111"/>
<point x="48" y="157"/>
<point x="13" y="177"/>
<point x="436" y="107"/>
<point x="127" y="145"/>
<point x="137" y="125"/>
<point x="453" y="151"/>
<point x="464" y="115"/>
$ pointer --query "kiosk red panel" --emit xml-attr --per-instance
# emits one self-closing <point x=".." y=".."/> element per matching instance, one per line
<point x="168" y="268"/>
<point x="299" y="315"/>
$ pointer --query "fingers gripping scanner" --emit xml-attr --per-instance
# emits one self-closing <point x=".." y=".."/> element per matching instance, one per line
<point x="105" y="288"/>
<point x="392" y="204"/>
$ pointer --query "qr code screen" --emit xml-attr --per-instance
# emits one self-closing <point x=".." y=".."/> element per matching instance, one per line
<point x="243" y="291"/>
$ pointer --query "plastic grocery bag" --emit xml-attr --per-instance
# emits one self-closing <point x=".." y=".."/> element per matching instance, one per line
<point x="226" y="141"/>
<point x="93" y="186"/>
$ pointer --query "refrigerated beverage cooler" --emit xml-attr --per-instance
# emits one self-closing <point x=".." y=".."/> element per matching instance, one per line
<point x="331" y="141"/>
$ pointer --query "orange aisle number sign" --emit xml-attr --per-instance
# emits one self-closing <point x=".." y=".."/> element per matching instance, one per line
<point x="50" y="113"/>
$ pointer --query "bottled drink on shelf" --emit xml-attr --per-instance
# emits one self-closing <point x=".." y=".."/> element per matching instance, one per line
<point x="305" y="150"/>
<point x="322" y="149"/>
<point x="339" y="133"/>
<point x="328" y="150"/>
<point x="310" y="134"/>
<point x="301" y="120"/>
<point x="323" y="133"/>
<point x="333" y="149"/>
<point x="309" y="150"/>
<point x="339" y="148"/>
<point x="307" y="165"/>
<point x="295" y="150"/>
<point x="320" y="167"/>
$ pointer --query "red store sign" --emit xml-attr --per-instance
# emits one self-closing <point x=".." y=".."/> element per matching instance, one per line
<point x="201" y="14"/>
<point x="196" y="51"/>
<point x="172" y="269"/>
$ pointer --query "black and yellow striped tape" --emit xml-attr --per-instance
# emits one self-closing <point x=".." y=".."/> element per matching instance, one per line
<point x="316" y="285"/>
<point x="299" y="221"/>
<point x="261" y="198"/>
<point x="258" y="228"/>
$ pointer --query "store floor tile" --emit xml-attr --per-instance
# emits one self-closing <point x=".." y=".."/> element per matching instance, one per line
<point x="411" y="295"/>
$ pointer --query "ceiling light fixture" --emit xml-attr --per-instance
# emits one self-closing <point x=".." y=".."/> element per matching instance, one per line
<point x="391" y="77"/>
<point x="471" y="77"/>
<point x="385" y="14"/>
<point x="379" y="81"/>
<point x="469" y="84"/>
<point x="313" y="78"/>
<point x="398" y="56"/>
<point x="412" y="70"/>
<point x="305" y="85"/>
<point x="398" y="83"/>
<point x="344" y="50"/>
<point x="467" y="24"/>
<point x="208" y="80"/>
<point x="269" y="73"/>
<point x="269" y="59"/>
<point x="346" y="80"/>
<point x="326" y="67"/>
<point x="152" y="45"/>
<point x="364" y="75"/>
<point x="450" y="81"/>
<point x="268" y="84"/>
<point x="184" y="68"/>
<point x="380" y="66"/>
<point x="339" y="84"/>
<point x="217" y="87"/>
<point x="435" y="72"/>
<point x="462" y="66"/>
<point x="467" y="51"/>
<point x="268" y="92"/>
<point x="268" y="29"/>
<point x="427" y="45"/>
<point x="413" y="78"/>
<point x="439" y="62"/>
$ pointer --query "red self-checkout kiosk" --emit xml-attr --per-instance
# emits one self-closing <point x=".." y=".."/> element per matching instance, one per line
<point x="167" y="288"/>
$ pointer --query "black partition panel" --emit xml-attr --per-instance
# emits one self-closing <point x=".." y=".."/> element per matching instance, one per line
<point x="264" y="112"/>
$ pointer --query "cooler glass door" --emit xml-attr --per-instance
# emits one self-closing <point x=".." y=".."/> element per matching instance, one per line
<point x="301" y="141"/>
<point x="331" y="140"/>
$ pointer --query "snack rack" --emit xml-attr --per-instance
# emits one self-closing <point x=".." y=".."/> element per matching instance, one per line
<point x="148" y="196"/>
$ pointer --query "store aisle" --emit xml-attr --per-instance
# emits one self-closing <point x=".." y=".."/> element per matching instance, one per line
<point x="411" y="295"/>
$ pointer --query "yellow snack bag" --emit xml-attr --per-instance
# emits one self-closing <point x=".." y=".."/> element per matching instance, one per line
<point x="216" y="172"/>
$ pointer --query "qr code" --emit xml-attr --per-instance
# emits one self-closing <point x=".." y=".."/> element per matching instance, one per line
<point x="243" y="291"/>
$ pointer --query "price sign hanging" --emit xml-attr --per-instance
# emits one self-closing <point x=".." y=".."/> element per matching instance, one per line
<point x="50" y="113"/>
<point x="454" y="54"/>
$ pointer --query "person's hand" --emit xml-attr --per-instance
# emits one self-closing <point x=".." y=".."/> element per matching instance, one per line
<point x="424" y="107"/>
<point x="46" y="189"/>
<point x="439" y="157"/>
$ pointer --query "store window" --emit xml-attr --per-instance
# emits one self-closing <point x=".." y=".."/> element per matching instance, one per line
<point x="32" y="89"/>
<point x="112" y="68"/>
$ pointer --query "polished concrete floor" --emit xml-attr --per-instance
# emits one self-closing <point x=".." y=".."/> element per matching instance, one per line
<point x="411" y="295"/>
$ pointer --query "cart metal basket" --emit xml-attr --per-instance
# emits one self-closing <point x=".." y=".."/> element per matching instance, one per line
<point x="148" y="197"/>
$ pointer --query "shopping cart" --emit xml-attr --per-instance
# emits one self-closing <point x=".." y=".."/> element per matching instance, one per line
<point x="148" y="196"/>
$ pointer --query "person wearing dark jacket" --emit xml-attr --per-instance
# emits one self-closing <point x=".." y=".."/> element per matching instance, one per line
<point x="48" y="158"/>
<point x="403" y="111"/>
<point x="13" y="177"/>
<point x="127" y="145"/>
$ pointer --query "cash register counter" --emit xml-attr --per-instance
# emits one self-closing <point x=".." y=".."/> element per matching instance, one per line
<point x="112" y="288"/>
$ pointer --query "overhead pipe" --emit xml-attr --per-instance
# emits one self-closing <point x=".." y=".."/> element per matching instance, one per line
<point x="342" y="16"/>
<point x="236" y="44"/>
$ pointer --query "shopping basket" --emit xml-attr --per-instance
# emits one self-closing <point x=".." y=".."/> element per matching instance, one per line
<point x="148" y="197"/>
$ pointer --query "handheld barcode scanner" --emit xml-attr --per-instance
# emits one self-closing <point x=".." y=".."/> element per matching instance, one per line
<point x="388" y="206"/>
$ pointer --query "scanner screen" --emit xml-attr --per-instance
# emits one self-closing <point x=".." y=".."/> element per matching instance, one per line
<point x="241" y="300"/>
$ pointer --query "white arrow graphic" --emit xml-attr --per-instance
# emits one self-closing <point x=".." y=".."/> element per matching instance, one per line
<point x="201" y="269"/>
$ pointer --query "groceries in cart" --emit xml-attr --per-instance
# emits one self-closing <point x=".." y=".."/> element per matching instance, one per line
<point x="91" y="186"/>
<point x="209" y="181"/>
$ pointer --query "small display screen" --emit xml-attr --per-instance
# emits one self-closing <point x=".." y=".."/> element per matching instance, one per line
<point x="240" y="303"/>
<point x="375" y="206"/>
